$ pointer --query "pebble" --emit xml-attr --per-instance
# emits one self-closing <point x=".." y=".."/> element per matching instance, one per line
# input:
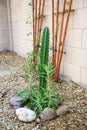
<point x="48" y="114"/>
<point x="35" y="128"/>
<point x="62" y="110"/>
<point x="25" y="114"/>
<point x="1" y="95"/>
<point x="38" y="120"/>
<point x="1" y="111"/>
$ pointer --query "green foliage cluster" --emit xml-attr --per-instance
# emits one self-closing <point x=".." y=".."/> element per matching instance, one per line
<point x="38" y="100"/>
<point x="31" y="68"/>
<point x="44" y="95"/>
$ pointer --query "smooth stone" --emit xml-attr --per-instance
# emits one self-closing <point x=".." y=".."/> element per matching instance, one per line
<point x="62" y="110"/>
<point x="25" y="114"/>
<point x="14" y="101"/>
<point x="48" y="114"/>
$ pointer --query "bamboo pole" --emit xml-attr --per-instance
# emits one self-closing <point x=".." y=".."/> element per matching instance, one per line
<point x="40" y="22"/>
<point x="33" y="25"/>
<point x="66" y="26"/>
<point x="39" y="8"/>
<point x="60" y="40"/>
<point x="53" y="31"/>
<point x="42" y="15"/>
<point x="56" y="33"/>
<point x="35" y="21"/>
<point x="33" y="16"/>
<point x="67" y="21"/>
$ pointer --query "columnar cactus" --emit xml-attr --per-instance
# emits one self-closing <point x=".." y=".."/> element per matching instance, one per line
<point x="44" y="56"/>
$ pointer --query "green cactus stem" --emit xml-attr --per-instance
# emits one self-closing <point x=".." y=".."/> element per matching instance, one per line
<point x="44" y="56"/>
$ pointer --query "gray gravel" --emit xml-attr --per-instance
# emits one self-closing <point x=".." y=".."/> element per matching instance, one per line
<point x="11" y="81"/>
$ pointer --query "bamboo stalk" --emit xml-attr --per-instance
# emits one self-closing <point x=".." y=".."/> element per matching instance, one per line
<point x="35" y="20"/>
<point x="66" y="26"/>
<point x="60" y="41"/>
<point x="53" y="31"/>
<point x="41" y="13"/>
<point x="33" y="25"/>
<point x="67" y="21"/>
<point x="38" y="22"/>
<point x="33" y="16"/>
<point x="56" y="34"/>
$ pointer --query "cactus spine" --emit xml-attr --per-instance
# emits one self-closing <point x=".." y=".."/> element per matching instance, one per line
<point x="44" y="56"/>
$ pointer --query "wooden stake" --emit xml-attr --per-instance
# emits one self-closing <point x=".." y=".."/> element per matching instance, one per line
<point x="39" y="10"/>
<point x="38" y="22"/>
<point x="35" y="21"/>
<point x="60" y="42"/>
<point x="62" y="47"/>
<point x="53" y="31"/>
<point x="56" y="34"/>
<point x="41" y="15"/>
<point x="33" y="25"/>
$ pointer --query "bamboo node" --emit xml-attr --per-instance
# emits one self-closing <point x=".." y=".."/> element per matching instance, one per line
<point x="39" y="30"/>
<point x="55" y="49"/>
<point x="37" y="46"/>
<point x="34" y="32"/>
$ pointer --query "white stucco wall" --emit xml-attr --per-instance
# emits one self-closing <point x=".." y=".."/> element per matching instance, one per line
<point x="74" y="63"/>
<point x="20" y="11"/>
<point x="4" y="30"/>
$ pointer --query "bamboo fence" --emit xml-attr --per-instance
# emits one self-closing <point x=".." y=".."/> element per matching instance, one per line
<point x="59" y="29"/>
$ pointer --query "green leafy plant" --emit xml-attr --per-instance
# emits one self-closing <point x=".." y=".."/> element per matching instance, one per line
<point x="49" y="97"/>
<point x="51" y="92"/>
<point x="25" y="94"/>
<point x="31" y="68"/>
<point x="46" y="94"/>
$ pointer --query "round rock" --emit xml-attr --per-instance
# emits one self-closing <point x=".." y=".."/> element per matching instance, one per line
<point x="14" y="101"/>
<point x="25" y="114"/>
<point x="48" y="114"/>
<point x="62" y="110"/>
